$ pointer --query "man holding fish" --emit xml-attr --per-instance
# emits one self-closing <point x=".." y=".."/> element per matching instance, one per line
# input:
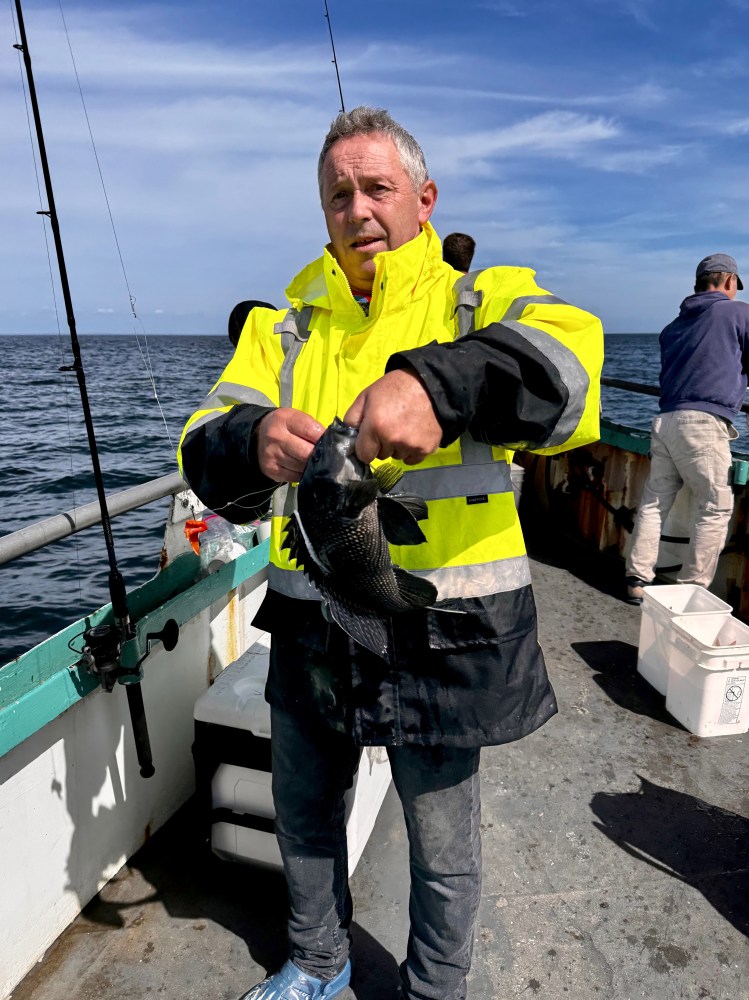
<point x="399" y="602"/>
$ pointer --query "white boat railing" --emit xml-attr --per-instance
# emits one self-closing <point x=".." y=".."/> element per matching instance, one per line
<point x="52" y="529"/>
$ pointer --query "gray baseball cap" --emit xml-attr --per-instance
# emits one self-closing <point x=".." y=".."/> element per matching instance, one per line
<point x="719" y="262"/>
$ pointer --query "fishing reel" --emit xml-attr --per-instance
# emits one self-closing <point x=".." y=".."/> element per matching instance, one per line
<point x="105" y="645"/>
<point x="101" y="651"/>
<point x="110" y="652"/>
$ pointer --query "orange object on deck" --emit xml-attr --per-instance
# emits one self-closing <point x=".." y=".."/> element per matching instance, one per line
<point x="192" y="530"/>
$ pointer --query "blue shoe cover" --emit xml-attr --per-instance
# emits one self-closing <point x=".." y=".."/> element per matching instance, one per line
<point x="290" y="983"/>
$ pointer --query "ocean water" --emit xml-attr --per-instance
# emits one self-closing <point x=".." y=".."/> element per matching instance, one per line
<point x="47" y="468"/>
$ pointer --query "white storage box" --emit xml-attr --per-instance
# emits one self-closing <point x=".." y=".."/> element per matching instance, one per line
<point x="659" y="606"/>
<point x="233" y="768"/>
<point x="707" y="680"/>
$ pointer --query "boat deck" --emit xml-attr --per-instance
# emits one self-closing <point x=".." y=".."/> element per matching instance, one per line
<point x="616" y="859"/>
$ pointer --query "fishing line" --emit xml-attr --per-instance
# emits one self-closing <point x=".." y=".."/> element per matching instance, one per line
<point x="44" y="215"/>
<point x="145" y="355"/>
<point x="334" y="60"/>
<point x="265" y="494"/>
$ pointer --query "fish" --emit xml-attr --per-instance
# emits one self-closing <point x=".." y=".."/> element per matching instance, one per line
<point x="339" y="534"/>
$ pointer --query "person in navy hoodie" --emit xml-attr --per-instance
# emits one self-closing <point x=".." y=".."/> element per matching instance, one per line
<point x="704" y="365"/>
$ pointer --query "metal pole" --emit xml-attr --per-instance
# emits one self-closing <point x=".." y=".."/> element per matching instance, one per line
<point x="646" y="390"/>
<point x="52" y="529"/>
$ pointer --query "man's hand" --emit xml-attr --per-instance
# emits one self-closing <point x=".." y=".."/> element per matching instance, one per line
<point x="285" y="440"/>
<point x="396" y="419"/>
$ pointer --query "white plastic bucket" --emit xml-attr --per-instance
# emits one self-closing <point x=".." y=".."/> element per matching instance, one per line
<point x="709" y="675"/>
<point x="659" y="606"/>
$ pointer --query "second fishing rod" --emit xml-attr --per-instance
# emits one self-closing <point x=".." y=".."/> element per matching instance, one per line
<point x="103" y="643"/>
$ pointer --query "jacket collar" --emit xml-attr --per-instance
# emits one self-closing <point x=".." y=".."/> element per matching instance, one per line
<point x="401" y="276"/>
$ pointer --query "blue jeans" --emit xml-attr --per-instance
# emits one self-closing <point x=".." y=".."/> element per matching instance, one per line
<point x="313" y="766"/>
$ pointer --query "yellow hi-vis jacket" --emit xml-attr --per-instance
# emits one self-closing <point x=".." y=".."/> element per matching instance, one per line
<point x="320" y="358"/>
<point x="507" y="365"/>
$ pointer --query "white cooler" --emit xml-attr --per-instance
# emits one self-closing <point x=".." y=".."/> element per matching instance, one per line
<point x="707" y="681"/>
<point x="233" y="768"/>
<point x="659" y="606"/>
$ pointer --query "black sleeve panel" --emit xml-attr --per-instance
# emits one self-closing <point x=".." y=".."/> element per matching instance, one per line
<point x="493" y="383"/>
<point x="220" y="464"/>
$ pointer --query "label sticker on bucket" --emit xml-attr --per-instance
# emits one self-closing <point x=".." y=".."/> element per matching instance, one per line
<point x="732" y="699"/>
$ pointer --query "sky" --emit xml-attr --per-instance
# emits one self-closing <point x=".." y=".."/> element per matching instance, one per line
<point x="603" y="143"/>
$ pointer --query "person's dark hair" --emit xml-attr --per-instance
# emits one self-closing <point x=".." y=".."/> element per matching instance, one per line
<point x="458" y="250"/>
<point x="712" y="279"/>
<point x="238" y="316"/>
<point x="365" y="121"/>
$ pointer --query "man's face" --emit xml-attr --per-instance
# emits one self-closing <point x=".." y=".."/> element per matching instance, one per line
<point x="370" y="204"/>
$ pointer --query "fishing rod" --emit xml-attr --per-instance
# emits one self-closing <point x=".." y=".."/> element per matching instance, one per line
<point x="334" y="60"/>
<point x="110" y="651"/>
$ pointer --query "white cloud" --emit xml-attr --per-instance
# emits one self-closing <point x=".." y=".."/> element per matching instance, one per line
<point x="645" y="95"/>
<point x="726" y="67"/>
<point x="740" y="127"/>
<point x="505" y="8"/>
<point x="640" y="10"/>
<point x="552" y="134"/>
<point x="639" y="161"/>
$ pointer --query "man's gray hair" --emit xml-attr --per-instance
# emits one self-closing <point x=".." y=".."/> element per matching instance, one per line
<point x="365" y="121"/>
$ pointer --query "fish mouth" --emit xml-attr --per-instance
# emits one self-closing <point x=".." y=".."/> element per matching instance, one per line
<point x="341" y="430"/>
<point x="339" y="425"/>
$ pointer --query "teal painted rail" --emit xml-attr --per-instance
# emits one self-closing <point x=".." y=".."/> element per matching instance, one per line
<point x="40" y="685"/>
<point x="629" y="439"/>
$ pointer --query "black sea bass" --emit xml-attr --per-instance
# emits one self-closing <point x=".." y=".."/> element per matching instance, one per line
<point x="339" y="536"/>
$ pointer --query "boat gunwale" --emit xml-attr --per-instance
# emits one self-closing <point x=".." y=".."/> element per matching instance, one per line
<point x="44" y="682"/>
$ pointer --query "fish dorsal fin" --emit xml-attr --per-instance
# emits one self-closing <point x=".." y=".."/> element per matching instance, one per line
<point x="387" y="475"/>
<point x="399" y="516"/>
<point x="365" y="627"/>
<point x="294" y="542"/>
<point x="358" y="495"/>
<point x="415" y="590"/>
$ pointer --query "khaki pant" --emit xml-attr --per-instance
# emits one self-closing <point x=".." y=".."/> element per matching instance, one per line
<point x="692" y="447"/>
